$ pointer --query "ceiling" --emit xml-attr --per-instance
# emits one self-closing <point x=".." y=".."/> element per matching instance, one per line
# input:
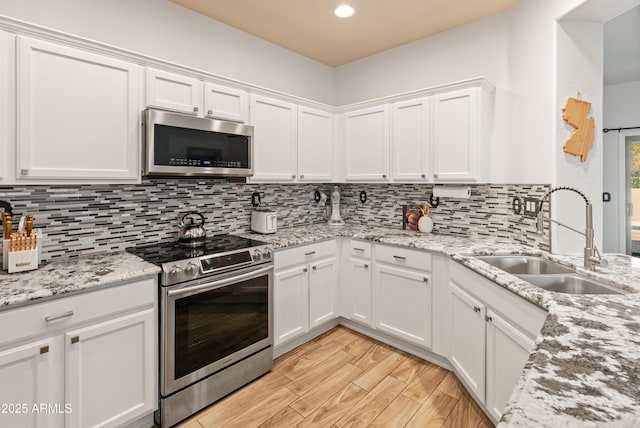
<point x="310" y="28"/>
<point x="622" y="48"/>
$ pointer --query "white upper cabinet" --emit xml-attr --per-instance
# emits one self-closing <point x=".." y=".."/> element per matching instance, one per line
<point x="169" y="91"/>
<point x="410" y="143"/>
<point x="366" y="144"/>
<point x="461" y="121"/>
<point x="225" y="103"/>
<point x="274" y="139"/>
<point x="7" y="105"/>
<point x="77" y="116"/>
<point x="315" y="145"/>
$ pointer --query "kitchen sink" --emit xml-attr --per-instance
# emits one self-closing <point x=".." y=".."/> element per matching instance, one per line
<point x="570" y="284"/>
<point x="525" y="265"/>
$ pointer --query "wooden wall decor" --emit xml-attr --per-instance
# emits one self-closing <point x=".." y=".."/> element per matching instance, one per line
<point x="581" y="140"/>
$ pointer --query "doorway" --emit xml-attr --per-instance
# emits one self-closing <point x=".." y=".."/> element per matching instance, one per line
<point x="632" y="192"/>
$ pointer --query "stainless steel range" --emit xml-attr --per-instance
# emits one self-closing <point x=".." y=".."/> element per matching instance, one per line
<point x="216" y="320"/>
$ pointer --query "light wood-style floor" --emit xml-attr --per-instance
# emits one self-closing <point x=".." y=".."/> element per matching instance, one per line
<point x="344" y="379"/>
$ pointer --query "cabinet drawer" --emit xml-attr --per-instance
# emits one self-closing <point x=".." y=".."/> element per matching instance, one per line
<point x="360" y="249"/>
<point x="41" y="318"/>
<point x="402" y="257"/>
<point x="303" y="254"/>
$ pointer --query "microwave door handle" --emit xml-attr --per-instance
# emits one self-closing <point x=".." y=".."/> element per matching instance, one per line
<point x="220" y="283"/>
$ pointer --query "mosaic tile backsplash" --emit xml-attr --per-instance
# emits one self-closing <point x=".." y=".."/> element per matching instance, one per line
<point x="85" y="219"/>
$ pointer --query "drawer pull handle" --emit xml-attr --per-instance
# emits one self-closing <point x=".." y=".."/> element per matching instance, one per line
<point x="476" y="309"/>
<point x="400" y="258"/>
<point x="75" y="339"/>
<point x="44" y="349"/>
<point x="310" y="253"/>
<point x="487" y="318"/>
<point x="59" y="317"/>
<point x="358" y="249"/>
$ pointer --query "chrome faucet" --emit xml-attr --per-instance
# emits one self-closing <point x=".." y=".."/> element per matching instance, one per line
<point x="592" y="257"/>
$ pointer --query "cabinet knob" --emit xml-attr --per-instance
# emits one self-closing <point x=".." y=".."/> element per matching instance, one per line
<point x="210" y="112"/>
<point x="487" y="318"/>
<point x="24" y="172"/>
<point x="75" y="339"/>
<point x="426" y="280"/>
<point x="476" y="309"/>
<point x="366" y="266"/>
<point x="195" y="109"/>
<point x="314" y="267"/>
<point x="302" y="176"/>
<point x="305" y="270"/>
<point x="435" y="175"/>
<point x="423" y="176"/>
<point x="384" y="175"/>
<point x="293" y="176"/>
<point x="44" y="349"/>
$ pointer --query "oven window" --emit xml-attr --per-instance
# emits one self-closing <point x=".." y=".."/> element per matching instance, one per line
<point x="212" y="325"/>
<point x="197" y="148"/>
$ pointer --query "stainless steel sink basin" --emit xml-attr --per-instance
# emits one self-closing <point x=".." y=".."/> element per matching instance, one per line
<point x="525" y="265"/>
<point x="570" y="284"/>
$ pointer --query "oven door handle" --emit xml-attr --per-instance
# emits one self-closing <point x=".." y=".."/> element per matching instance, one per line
<point x="220" y="283"/>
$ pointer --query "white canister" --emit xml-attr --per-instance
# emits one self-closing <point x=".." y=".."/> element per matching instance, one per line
<point x="425" y="224"/>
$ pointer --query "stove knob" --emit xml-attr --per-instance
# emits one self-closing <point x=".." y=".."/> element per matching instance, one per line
<point x="256" y="255"/>
<point x="266" y="254"/>
<point x="175" y="272"/>
<point x="191" y="270"/>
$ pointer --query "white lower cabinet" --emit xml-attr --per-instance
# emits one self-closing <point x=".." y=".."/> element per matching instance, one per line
<point x="402" y="294"/>
<point x="306" y="289"/>
<point x="493" y="332"/>
<point x="356" y="304"/>
<point x="81" y="361"/>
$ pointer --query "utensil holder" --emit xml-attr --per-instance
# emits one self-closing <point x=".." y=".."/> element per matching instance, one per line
<point x="22" y="260"/>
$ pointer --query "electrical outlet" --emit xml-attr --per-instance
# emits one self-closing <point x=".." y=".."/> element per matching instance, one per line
<point x="531" y="207"/>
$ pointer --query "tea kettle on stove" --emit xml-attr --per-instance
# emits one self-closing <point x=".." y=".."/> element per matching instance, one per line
<point x="192" y="232"/>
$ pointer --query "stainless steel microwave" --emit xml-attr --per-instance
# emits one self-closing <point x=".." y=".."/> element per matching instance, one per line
<point x="181" y="145"/>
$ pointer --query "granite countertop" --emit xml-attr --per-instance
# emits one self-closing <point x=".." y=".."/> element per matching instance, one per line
<point x="59" y="277"/>
<point x="584" y="370"/>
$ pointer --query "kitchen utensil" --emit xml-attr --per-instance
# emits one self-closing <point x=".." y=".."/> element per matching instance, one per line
<point x="192" y="231"/>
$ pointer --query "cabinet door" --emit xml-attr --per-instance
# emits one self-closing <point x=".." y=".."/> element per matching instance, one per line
<point x="226" y="103"/>
<point x="77" y="114"/>
<point x="468" y="342"/>
<point x="26" y="374"/>
<point x="7" y="104"/>
<point x="507" y="352"/>
<point x="360" y="285"/>
<point x="274" y="139"/>
<point x="315" y="145"/>
<point x="111" y="371"/>
<point x="323" y="291"/>
<point x="366" y="140"/>
<point x="456" y="135"/>
<point x="402" y="303"/>
<point x="291" y="303"/>
<point x="169" y="91"/>
<point x="410" y="149"/>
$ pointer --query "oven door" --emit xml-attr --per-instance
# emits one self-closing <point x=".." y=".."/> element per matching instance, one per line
<point x="209" y="324"/>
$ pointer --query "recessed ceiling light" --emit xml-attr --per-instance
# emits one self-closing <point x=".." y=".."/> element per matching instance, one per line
<point x="344" y="11"/>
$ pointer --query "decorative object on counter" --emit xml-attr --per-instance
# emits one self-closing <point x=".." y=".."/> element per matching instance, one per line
<point x="416" y="217"/>
<point x="21" y="250"/>
<point x="192" y="232"/>
<point x="336" y="217"/>
<point x="451" y="191"/>
<point x="581" y="140"/>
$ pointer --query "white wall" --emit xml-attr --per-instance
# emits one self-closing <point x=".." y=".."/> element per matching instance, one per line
<point x="621" y="110"/>
<point x="164" y="30"/>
